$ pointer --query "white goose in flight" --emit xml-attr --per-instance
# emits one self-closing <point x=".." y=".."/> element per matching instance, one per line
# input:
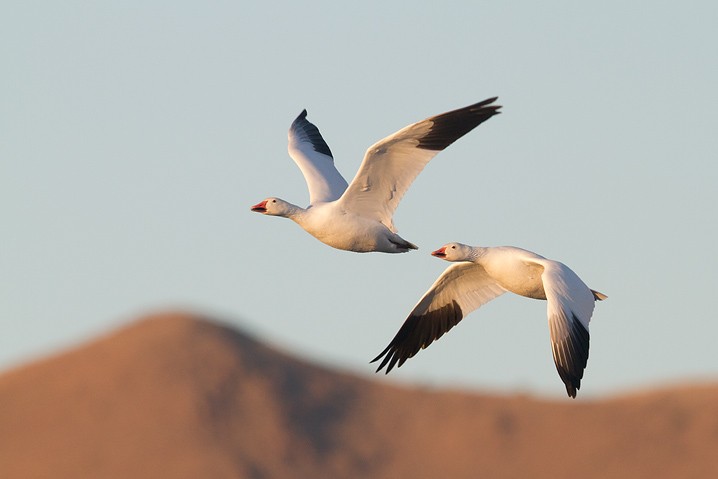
<point x="358" y="217"/>
<point x="482" y="274"/>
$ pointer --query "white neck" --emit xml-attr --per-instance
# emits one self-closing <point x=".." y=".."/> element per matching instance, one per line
<point x="295" y="213"/>
<point x="476" y="253"/>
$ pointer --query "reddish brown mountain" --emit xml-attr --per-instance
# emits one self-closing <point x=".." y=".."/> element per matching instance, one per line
<point x="174" y="396"/>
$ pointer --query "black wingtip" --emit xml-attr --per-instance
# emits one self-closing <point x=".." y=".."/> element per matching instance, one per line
<point x="386" y="357"/>
<point x="488" y="101"/>
<point x="307" y="130"/>
<point x="417" y="333"/>
<point x="301" y="116"/>
<point x="450" y="126"/>
<point x="575" y="349"/>
<point x="379" y="356"/>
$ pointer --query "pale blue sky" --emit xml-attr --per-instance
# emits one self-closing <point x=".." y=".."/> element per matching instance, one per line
<point x="134" y="136"/>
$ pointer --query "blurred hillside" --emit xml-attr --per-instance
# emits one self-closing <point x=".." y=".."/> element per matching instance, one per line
<point x="177" y="396"/>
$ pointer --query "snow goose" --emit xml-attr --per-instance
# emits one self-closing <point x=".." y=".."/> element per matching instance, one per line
<point x="358" y="217"/>
<point x="482" y="274"/>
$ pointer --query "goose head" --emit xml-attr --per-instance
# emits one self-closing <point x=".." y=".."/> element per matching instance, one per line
<point x="453" y="252"/>
<point x="273" y="207"/>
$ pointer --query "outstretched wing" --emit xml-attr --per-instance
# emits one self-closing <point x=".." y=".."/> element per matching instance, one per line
<point x="570" y="306"/>
<point x="462" y="288"/>
<point x="312" y="154"/>
<point x="392" y="164"/>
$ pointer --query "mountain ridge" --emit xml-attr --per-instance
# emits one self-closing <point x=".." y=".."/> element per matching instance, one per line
<point x="177" y="395"/>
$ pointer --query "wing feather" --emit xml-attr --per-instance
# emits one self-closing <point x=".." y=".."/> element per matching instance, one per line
<point x="570" y="304"/>
<point x="461" y="288"/>
<point x="391" y="165"/>
<point x="314" y="158"/>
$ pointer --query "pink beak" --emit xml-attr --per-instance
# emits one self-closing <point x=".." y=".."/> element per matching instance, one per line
<point x="260" y="207"/>
<point x="439" y="253"/>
